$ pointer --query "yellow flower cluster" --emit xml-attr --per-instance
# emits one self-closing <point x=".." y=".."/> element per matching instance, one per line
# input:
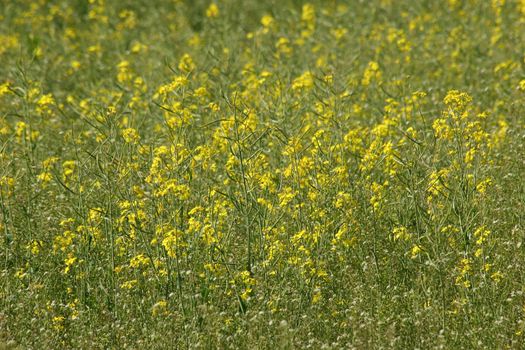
<point x="255" y="174"/>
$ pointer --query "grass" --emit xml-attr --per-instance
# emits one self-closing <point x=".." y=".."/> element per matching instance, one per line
<point x="262" y="174"/>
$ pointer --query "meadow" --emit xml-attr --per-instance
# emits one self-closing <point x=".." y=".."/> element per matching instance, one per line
<point x="246" y="174"/>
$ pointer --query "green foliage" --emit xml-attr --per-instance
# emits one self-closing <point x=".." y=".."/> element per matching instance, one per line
<point x="262" y="174"/>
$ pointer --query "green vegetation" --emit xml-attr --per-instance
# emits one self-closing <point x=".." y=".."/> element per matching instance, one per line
<point x="262" y="174"/>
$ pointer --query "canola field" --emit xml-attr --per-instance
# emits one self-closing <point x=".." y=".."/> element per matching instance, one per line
<point x="245" y="174"/>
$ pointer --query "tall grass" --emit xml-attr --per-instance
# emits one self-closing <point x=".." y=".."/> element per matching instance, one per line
<point x="262" y="174"/>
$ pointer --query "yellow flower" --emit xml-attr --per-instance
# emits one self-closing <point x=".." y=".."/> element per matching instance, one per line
<point x="171" y="242"/>
<point x="305" y="81"/>
<point x="400" y="233"/>
<point x="414" y="252"/>
<point x="45" y="177"/>
<point x="497" y="276"/>
<point x="159" y="308"/>
<point x="35" y="247"/>
<point x="186" y="63"/>
<point x="482" y="186"/>
<point x="441" y="129"/>
<point x="69" y="167"/>
<point x="124" y="72"/>
<point x="372" y="73"/>
<point x="469" y="156"/>
<point x="283" y="46"/>
<point x="339" y="33"/>
<point x="212" y="11"/>
<point x="316" y="297"/>
<point x="267" y="21"/>
<point x="138" y="261"/>
<point x="308" y="13"/>
<point x="69" y="262"/>
<point x="44" y="103"/>
<point x="308" y="20"/>
<point x="75" y="65"/>
<point x="457" y="100"/>
<point x="129" y="284"/>
<point x="58" y="323"/>
<point x="130" y="135"/>
<point x="4" y="89"/>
